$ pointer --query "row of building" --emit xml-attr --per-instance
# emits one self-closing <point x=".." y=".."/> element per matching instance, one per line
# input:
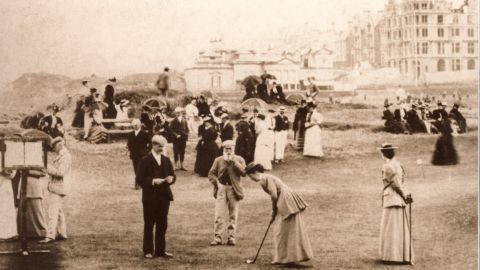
<point x="414" y="37"/>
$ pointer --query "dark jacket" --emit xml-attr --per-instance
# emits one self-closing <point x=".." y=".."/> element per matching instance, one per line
<point x="300" y="118"/>
<point x="203" y="109"/>
<point x="226" y="132"/>
<point x="147" y="123"/>
<point x="281" y="123"/>
<point x="139" y="145"/>
<point x="147" y="170"/>
<point x="179" y="128"/>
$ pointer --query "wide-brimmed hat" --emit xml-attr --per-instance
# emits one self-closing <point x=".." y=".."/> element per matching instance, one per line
<point x="251" y="167"/>
<point x="112" y="79"/>
<point x="178" y="110"/>
<point x="206" y="118"/>
<point x="387" y="104"/>
<point x="387" y="146"/>
<point x="244" y="115"/>
<point x="56" y="141"/>
<point x="124" y="102"/>
<point x="282" y="108"/>
<point x="228" y="143"/>
<point x="224" y="116"/>
<point x="271" y="110"/>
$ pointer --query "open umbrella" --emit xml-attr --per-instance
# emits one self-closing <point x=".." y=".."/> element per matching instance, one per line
<point x="254" y="102"/>
<point x="155" y="102"/>
<point x="295" y="98"/>
<point x="265" y="76"/>
<point x="251" y="80"/>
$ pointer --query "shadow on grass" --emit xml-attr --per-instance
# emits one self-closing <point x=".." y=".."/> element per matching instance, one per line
<point x="50" y="260"/>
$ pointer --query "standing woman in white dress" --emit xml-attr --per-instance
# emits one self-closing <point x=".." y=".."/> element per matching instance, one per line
<point x="313" y="133"/>
<point x="262" y="146"/>
<point x="270" y="120"/>
<point x="8" y="215"/>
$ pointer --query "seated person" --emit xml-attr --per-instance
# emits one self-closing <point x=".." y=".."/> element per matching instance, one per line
<point x="391" y="124"/>
<point x="122" y="113"/>
<point x="414" y="122"/>
<point x="98" y="133"/>
<point x="456" y="115"/>
<point x="249" y="92"/>
<point x="276" y="93"/>
<point x="440" y="115"/>
<point x="52" y="124"/>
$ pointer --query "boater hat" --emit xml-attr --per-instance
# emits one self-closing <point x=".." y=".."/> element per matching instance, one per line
<point x="251" y="167"/>
<point x="387" y="146"/>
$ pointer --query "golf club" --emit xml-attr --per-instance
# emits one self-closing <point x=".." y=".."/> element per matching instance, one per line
<point x="248" y="261"/>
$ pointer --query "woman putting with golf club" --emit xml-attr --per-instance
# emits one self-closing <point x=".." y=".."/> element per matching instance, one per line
<point x="291" y="242"/>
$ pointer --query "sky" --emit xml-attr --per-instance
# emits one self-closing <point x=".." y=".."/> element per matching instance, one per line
<point x="115" y="38"/>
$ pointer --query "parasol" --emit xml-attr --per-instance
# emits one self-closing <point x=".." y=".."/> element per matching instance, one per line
<point x="265" y="76"/>
<point x="251" y="80"/>
<point x="155" y="103"/>
<point x="295" y="98"/>
<point x="254" y="102"/>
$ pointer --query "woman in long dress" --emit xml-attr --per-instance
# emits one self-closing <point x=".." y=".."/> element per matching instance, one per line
<point x="445" y="153"/>
<point x="207" y="148"/>
<point x="270" y="120"/>
<point x="262" y="153"/>
<point x="8" y="215"/>
<point x="291" y="243"/>
<point x="313" y="134"/>
<point x="97" y="132"/>
<point x="395" y="236"/>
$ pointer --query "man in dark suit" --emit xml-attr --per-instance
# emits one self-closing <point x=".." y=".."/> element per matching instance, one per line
<point x="52" y="124"/>
<point x="163" y="82"/>
<point x="179" y="130"/>
<point x="414" y="122"/>
<point x="226" y="129"/>
<point x="155" y="175"/>
<point x="299" y="124"/>
<point x="138" y="145"/>
<point x="147" y="118"/>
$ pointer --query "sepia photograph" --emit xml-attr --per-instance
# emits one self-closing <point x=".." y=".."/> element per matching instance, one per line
<point x="239" y="134"/>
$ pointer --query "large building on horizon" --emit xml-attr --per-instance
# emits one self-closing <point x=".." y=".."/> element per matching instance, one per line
<point x="426" y="37"/>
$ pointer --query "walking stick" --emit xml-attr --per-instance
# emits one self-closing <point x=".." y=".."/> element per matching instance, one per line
<point x="410" y="250"/>
<point x="260" y="247"/>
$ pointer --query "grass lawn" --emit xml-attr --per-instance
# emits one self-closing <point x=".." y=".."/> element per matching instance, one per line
<point x="343" y="190"/>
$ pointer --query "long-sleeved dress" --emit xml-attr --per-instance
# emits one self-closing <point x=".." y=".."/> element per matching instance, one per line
<point x="262" y="154"/>
<point x="394" y="227"/>
<point x="291" y="243"/>
<point x="207" y="151"/>
<point x="313" y="135"/>
<point x="8" y="223"/>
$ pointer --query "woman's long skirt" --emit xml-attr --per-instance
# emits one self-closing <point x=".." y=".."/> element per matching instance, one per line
<point x="263" y="154"/>
<point x="8" y="215"/>
<point x="291" y="243"/>
<point x="395" y="235"/>
<point x="445" y="153"/>
<point x="313" y="142"/>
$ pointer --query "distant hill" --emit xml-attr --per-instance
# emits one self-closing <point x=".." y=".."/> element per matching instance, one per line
<point x="149" y="79"/>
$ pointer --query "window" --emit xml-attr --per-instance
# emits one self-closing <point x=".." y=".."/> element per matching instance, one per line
<point x="424" y="19"/>
<point x="440" y="19"/>
<point x="418" y="32"/>
<point x="440" y="32"/>
<point x="418" y="48"/>
<point x="456" y="64"/>
<point x="388" y="34"/>
<point x="415" y="6"/>
<point x="441" y="65"/>
<point x="425" y="32"/>
<point x="305" y="63"/>
<point x="292" y="86"/>
<point x="285" y="86"/>
<point x="471" y="32"/>
<point x="471" y="64"/>
<point x="471" y="47"/>
<point x="425" y="48"/>
<point x="455" y="19"/>
<point x="456" y="47"/>
<point x="424" y="5"/>
<point x="417" y="19"/>
<point x="440" y="48"/>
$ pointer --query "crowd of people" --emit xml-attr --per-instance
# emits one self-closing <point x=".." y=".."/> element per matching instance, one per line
<point x="421" y="119"/>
